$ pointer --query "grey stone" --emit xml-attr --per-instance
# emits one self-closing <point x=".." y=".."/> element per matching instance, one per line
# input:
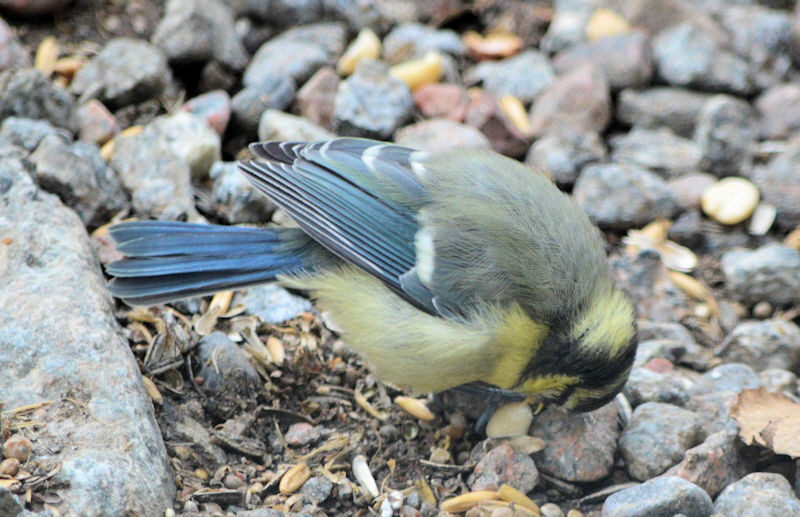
<point x="570" y="454"/>
<point x="779" y="184"/>
<point x="714" y="464"/>
<point x="124" y="72"/>
<point x="777" y="380"/>
<point x="9" y="504"/>
<point x="623" y="196"/>
<point x="225" y="367"/>
<point x="580" y="99"/>
<point x="665" y="348"/>
<point x="317" y="488"/>
<point x="192" y="140"/>
<point x="296" y="54"/>
<point x="524" y="76"/>
<point x="656" y="438"/>
<point x="564" y="153"/>
<point x="414" y="40"/>
<point x="27" y="93"/>
<point x="197" y="31"/>
<point x="726" y="133"/>
<point x="733" y="377"/>
<point x="27" y="133"/>
<point x="235" y="199"/>
<point x="568" y="26"/>
<point x="764" y="36"/>
<point x="760" y="493"/>
<point x="158" y="181"/>
<point x="645" y="385"/>
<point x="80" y="177"/>
<point x="770" y="273"/>
<point x="272" y="303"/>
<point x="664" y="330"/>
<point x="12" y="53"/>
<point x="60" y="342"/>
<point x="688" y="56"/>
<point x="277" y="125"/>
<point x="371" y="103"/>
<point x="180" y="429"/>
<point x="626" y="59"/>
<point x="658" y="150"/>
<point x="662" y="106"/>
<point x="779" y="111"/>
<point x="667" y="496"/>
<point x="763" y="344"/>
<point x="440" y="134"/>
<point x="251" y="102"/>
<point x="503" y="465"/>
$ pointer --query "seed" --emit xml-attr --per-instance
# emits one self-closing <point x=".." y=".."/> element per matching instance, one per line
<point x="294" y="478"/>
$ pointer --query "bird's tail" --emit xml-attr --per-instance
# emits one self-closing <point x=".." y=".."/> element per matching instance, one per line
<point x="170" y="260"/>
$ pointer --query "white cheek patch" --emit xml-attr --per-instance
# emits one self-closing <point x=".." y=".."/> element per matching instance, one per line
<point x="426" y="254"/>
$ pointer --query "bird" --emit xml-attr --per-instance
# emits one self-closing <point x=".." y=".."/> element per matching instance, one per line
<point x="459" y="269"/>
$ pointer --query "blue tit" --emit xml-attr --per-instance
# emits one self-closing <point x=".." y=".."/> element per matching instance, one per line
<point x="461" y="268"/>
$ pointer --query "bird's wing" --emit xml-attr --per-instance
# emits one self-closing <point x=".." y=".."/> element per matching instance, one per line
<point x="359" y="198"/>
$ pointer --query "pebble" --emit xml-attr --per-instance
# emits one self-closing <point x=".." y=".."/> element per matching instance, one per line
<point x="277" y="125"/>
<point x="27" y="93"/>
<point x="250" y="103"/>
<point x="317" y="488"/>
<point x="770" y="273"/>
<point x="656" y="438"/>
<point x="12" y="53"/>
<point x="623" y="196"/>
<point x="27" y="133"/>
<point x="503" y="465"/>
<point x="779" y="111"/>
<point x="730" y="201"/>
<point x="442" y="100"/>
<point x="125" y="71"/>
<point x="733" y="377"/>
<point x="668" y="495"/>
<point x="551" y="510"/>
<point x="95" y="123"/>
<point x="272" y="303"/>
<point x="440" y="134"/>
<point x="80" y="177"/>
<point x="234" y="198"/>
<point x="193" y="141"/>
<point x="225" y="367"/>
<point x="579" y="99"/>
<point x="725" y="133"/>
<point x="158" y="181"/>
<point x="689" y="188"/>
<point x="658" y="150"/>
<point x="389" y="101"/>
<point x="568" y="25"/>
<point x="779" y="184"/>
<point x="484" y="113"/>
<point x="179" y="34"/>
<point x="763" y="344"/>
<point x="213" y="107"/>
<point x="711" y="68"/>
<point x="661" y="106"/>
<point x="9" y="504"/>
<point x="646" y="385"/>
<point x="524" y="76"/>
<point x="626" y="59"/>
<point x="18" y="447"/>
<point x="315" y="99"/>
<point x="760" y="493"/>
<point x="296" y="54"/>
<point x="567" y="454"/>
<point x="764" y="37"/>
<point x="414" y="40"/>
<point x="777" y="380"/>
<point x="562" y="154"/>
<point x="714" y="464"/>
<point x="301" y="433"/>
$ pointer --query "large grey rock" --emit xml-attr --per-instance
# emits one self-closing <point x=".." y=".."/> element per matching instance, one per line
<point x="60" y="342"/>
<point x="27" y="93"/>
<point x="666" y="496"/>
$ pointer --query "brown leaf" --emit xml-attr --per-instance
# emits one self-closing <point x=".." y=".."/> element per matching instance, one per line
<point x="768" y="419"/>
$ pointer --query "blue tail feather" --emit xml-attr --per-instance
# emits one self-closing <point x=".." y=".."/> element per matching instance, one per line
<point x="167" y="260"/>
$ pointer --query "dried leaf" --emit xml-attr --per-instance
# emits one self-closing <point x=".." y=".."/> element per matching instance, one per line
<point x="768" y="419"/>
